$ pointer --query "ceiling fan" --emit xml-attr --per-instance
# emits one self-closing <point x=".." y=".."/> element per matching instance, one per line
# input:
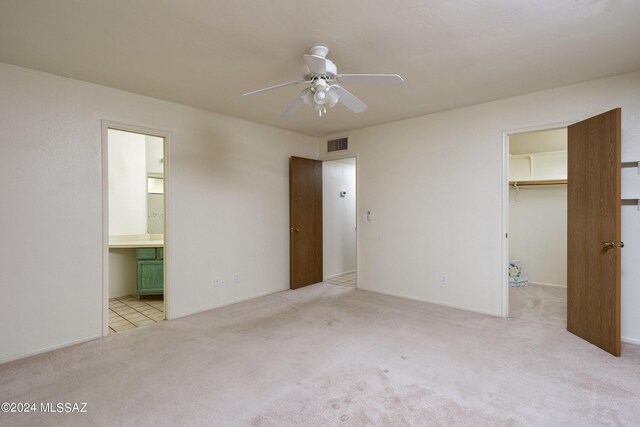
<point x="324" y="90"/>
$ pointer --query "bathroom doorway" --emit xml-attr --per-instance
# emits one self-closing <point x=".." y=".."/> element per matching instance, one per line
<point x="135" y="291"/>
<point x="323" y="233"/>
<point x="339" y="221"/>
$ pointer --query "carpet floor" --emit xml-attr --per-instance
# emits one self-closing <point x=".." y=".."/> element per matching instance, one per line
<point x="540" y="303"/>
<point x="331" y="355"/>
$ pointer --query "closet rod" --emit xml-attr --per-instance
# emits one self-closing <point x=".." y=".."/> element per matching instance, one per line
<point x="532" y="183"/>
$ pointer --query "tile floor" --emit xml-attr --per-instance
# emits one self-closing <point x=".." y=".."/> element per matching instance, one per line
<point x="545" y="304"/>
<point x="348" y="279"/>
<point x="130" y="312"/>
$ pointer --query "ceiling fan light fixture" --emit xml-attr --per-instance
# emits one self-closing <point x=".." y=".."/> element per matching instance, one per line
<point x="323" y="91"/>
<point x="307" y="96"/>
<point x="332" y="98"/>
<point x="320" y="97"/>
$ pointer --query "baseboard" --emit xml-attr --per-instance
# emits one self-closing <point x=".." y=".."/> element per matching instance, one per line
<point x="82" y="340"/>
<point x="47" y="349"/>
<point x="458" y="307"/>
<point x="547" y="284"/>
<point x="339" y="274"/>
<point x="224" y="304"/>
<point x="630" y="340"/>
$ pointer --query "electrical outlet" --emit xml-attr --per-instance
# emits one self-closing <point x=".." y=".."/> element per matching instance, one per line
<point x="217" y="282"/>
<point x="236" y="278"/>
<point x="443" y="279"/>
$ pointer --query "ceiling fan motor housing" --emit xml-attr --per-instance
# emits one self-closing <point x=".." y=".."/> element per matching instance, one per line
<point x="331" y="72"/>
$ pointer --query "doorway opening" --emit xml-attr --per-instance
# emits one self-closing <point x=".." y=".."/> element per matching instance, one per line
<point x="322" y="217"/>
<point x="537" y="226"/>
<point x="593" y="225"/>
<point x="134" y="227"/>
<point x="339" y="221"/>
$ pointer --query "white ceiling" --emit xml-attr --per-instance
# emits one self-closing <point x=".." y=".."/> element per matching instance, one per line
<point x="207" y="53"/>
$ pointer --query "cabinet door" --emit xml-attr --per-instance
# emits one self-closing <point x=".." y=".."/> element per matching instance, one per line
<point x="150" y="277"/>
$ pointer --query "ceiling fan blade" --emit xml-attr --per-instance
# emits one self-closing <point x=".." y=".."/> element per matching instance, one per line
<point x="293" y="107"/>
<point x="295" y="82"/>
<point x="317" y="64"/>
<point x="370" y="79"/>
<point x="349" y="100"/>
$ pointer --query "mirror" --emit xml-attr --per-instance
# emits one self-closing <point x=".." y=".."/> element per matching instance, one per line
<point x="155" y="203"/>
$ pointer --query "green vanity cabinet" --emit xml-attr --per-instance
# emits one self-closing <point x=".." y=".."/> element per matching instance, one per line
<point x="150" y="271"/>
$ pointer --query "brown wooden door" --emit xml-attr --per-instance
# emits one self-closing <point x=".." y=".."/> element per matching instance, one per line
<point x="305" y="219"/>
<point x="593" y="248"/>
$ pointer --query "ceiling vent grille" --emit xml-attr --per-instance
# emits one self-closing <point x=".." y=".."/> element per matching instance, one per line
<point x="337" y="144"/>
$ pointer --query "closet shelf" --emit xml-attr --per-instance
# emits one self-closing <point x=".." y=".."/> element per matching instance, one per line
<point x="631" y="165"/>
<point x="534" y="183"/>
<point x="631" y="202"/>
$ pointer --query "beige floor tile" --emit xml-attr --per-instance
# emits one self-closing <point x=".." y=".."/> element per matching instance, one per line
<point x="133" y="313"/>
<point x="124" y="328"/>
<point x="134" y="319"/>
<point x="130" y="311"/>
<point x="119" y="324"/>
<point x="144" y="322"/>
<point x="120" y="310"/>
<point x="136" y="304"/>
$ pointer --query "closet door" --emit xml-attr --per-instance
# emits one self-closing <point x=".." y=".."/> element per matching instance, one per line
<point x="593" y="247"/>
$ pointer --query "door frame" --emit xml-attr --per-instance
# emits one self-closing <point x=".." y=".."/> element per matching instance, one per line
<point x="166" y="136"/>
<point x="343" y="156"/>
<point x="505" y="203"/>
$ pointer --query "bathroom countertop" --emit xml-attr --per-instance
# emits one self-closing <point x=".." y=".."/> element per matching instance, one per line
<point x="136" y="241"/>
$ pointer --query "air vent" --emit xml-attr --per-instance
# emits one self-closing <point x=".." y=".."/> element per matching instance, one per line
<point x="337" y="144"/>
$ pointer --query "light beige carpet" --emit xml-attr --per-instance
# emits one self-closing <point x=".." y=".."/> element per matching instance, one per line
<point x="540" y="303"/>
<point x="332" y="355"/>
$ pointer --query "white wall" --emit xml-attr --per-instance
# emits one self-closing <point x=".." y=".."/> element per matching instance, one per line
<point x="127" y="183"/>
<point x="434" y="184"/>
<point x="227" y="188"/>
<point x="154" y="147"/>
<point x="339" y="217"/>
<point x="538" y="233"/>
<point x="538" y="142"/>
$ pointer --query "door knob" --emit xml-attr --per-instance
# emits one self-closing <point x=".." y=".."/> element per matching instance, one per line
<point x="608" y="244"/>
